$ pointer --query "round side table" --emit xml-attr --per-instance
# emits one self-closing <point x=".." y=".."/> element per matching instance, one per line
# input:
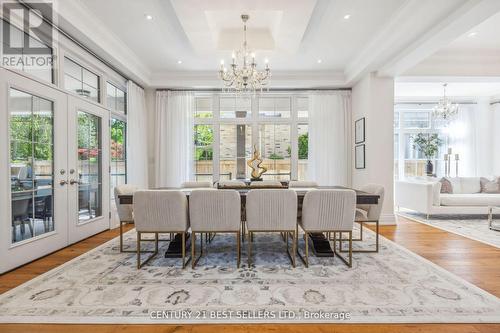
<point x="493" y="226"/>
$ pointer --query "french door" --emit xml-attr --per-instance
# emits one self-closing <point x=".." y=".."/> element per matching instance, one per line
<point x="88" y="159"/>
<point x="54" y="161"/>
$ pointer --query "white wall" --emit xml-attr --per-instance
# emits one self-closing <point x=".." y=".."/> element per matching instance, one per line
<point x="373" y="98"/>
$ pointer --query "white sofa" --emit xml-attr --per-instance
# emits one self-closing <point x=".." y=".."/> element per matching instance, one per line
<point x="424" y="196"/>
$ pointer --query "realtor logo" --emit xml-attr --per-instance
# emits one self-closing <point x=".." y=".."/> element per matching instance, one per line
<point x="27" y="35"/>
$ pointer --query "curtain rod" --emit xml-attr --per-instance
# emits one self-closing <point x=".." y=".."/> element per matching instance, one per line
<point x="264" y="91"/>
<point x="77" y="42"/>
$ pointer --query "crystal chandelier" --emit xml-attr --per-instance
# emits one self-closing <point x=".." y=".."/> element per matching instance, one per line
<point x="243" y="75"/>
<point x="445" y="109"/>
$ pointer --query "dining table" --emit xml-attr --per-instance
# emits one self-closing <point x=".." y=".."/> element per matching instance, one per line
<point x="320" y="244"/>
<point x="362" y="198"/>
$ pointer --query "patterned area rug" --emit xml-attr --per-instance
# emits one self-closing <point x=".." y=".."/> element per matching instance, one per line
<point x="473" y="227"/>
<point x="104" y="286"/>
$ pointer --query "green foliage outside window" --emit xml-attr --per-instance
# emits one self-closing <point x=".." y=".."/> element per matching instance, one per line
<point x="117" y="140"/>
<point x="31" y="136"/>
<point x="203" y="140"/>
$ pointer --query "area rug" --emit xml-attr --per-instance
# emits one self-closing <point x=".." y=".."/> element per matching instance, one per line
<point x="104" y="286"/>
<point x="473" y="227"/>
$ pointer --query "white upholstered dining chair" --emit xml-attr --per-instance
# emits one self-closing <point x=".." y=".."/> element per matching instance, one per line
<point x="231" y="184"/>
<point x="204" y="184"/>
<point x="370" y="213"/>
<point x="160" y="211"/>
<point x="302" y="184"/>
<point x="328" y="211"/>
<point x="272" y="210"/>
<point x="125" y="211"/>
<point x="214" y="212"/>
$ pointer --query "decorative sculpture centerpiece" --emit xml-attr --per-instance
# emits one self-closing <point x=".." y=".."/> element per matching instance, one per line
<point x="255" y="165"/>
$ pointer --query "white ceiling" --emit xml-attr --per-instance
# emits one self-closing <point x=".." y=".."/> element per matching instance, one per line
<point x="188" y="30"/>
<point x="475" y="52"/>
<point x="184" y="42"/>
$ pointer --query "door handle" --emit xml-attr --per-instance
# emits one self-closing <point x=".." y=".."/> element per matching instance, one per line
<point x="73" y="182"/>
<point x="63" y="182"/>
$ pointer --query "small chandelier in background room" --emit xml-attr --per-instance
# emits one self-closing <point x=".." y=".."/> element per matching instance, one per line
<point x="445" y="109"/>
<point x="243" y="75"/>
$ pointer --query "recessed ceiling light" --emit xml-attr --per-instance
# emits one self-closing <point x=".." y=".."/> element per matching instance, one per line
<point x="179" y="62"/>
<point x="472" y="34"/>
<point x="148" y="17"/>
<point x="347" y="16"/>
<point x="320" y="61"/>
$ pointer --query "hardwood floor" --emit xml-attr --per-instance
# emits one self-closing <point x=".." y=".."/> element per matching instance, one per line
<point x="473" y="261"/>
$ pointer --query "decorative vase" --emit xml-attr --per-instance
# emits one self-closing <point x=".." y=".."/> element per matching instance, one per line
<point x="429" y="168"/>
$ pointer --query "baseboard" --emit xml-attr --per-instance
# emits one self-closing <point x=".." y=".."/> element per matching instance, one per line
<point x="388" y="219"/>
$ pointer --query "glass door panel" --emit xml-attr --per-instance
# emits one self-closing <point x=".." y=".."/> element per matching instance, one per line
<point x="33" y="206"/>
<point x="31" y="163"/>
<point x="88" y="154"/>
<point x="89" y="167"/>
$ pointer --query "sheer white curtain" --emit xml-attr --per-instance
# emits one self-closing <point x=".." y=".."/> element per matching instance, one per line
<point x="330" y="138"/>
<point x="495" y="108"/>
<point x="137" y="156"/>
<point x="173" y="138"/>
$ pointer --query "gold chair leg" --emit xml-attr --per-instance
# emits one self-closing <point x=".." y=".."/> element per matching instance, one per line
<point x="121" y="236"/>
<point x="294" y="248"/>
<point x="377" y="240"/>
<point x="349" y="261"/>
<point x="304" y="258"/>
<point x="361" y="227"/>
<point x="238" y="249"/>
<point x="249" y="247"/>
<point x="307" y="249"/>
<point x="184" y="250"/>
<point x="138" y="250"/>
<point x="193" y="248"/>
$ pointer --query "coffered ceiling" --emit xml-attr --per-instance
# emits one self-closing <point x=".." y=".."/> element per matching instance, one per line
<point x="309" y="43"/>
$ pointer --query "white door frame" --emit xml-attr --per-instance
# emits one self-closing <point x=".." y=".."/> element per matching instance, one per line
<point x="16" y="254"/>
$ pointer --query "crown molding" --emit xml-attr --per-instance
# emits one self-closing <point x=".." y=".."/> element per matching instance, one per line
<point x="279" y="79"/>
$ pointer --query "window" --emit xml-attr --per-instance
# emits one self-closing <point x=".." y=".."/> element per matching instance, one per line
<point x="203" y="152"/>
<point x="416" y="119"/>
<point x="275" y="149"/>
<point x="235" y="150"/>
<point x="118" y="154"/>
<point x="274" y="107"/>
<point x="409" y="120"/>
<point x="116" y="98"/>
<point x="302" y="107"/>
<point x="303" y="150"/>
<point x="31" y="165"/>
<point x="81" y="81"/>
<point x="228" y="127"/>
<point x="235" y="107"/>
<point x="203" y="107"/>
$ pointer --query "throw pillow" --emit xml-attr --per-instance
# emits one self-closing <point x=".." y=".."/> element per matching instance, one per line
<point x="468" y="185"/>
<point x="490" y="186"/>
<point x="446" y="186"/>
